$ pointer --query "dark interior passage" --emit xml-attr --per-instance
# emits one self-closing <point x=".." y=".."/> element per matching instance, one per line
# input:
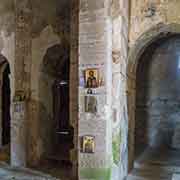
<point x="5" y="110"/>
<point x="56" y="68"/>
<point x="6" y="107"/>
<point x="158" y="96"/>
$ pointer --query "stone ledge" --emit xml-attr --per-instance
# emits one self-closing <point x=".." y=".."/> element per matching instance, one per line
<point x="176" y="177"/>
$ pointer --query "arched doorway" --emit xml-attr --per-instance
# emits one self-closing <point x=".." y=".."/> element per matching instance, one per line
<point x="56" y="134"/>
<point x="56" y="69"/>
<point x="150" y="118"/>
<point x="5" y="109"/>
<point x="157" y="95"/>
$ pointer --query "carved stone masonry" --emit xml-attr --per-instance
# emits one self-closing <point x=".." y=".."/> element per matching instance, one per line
<point x="23" y="18"/>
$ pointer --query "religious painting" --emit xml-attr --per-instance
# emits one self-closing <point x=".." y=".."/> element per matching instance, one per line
<point x="90" y="104"/>
<point x="19" y="96"/>
<point x="92" y="78"/>
<point x="88" y="144"/>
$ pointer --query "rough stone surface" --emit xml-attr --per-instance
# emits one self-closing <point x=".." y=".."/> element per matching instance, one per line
<point x="38" y="27"/>
<point x="31" y="44"/>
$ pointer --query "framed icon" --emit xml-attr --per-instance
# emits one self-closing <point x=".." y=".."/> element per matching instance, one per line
<point x="90" y="104"/>
<point x="88" y="144"/>
<point x="92" y="78"/>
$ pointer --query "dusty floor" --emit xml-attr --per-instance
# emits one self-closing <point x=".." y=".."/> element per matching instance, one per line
<point x="9" y="173"/>
<point x="61" y="170"/>
<point x="58" y="170"/>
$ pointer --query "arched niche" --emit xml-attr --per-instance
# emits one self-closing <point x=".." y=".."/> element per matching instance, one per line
<point x="57" y="140"/>
<point x="153" y="35"/>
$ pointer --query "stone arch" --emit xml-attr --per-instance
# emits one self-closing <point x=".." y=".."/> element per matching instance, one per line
<point x="5" y="102"/>
<point x="53" y="68"/>
<point x="50" y="69"/>
<point x="142" y="43"/>
<point x="147" y="38"/>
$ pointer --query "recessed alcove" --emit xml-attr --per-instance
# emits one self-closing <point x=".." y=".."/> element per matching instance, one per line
<point x="55" y="131"/>
<point x="157" y="112"/>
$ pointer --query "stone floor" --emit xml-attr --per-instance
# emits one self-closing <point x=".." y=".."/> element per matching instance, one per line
<point x="156" y="164"/>
<point x="59" y="170"/>
<point x="9" y="173"/>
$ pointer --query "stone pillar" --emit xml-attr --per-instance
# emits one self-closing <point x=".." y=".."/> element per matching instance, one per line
<point x="95" y="54"/>
<point x="22" y="82"/>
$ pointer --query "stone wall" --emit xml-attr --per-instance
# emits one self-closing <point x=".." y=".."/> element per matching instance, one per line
<point x="47" y="30"/>
<point x="98" y="48"/>
<point x="28" y="29"/>
<point x="146" y="14"/>
<point x="24" y="43"/>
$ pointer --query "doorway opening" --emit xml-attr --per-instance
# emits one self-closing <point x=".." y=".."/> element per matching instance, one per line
<point x="56" y="131"/>
<point x="5" y="110"/>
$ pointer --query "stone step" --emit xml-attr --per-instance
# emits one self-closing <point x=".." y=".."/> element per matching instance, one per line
<point x="157" y="164"/>
<point x="168" y="160"/>
<point x="176" y="138"/>
<point x="176" y="177"/>
<point x="154" y="174"/>
<point x="172" y="168"/>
